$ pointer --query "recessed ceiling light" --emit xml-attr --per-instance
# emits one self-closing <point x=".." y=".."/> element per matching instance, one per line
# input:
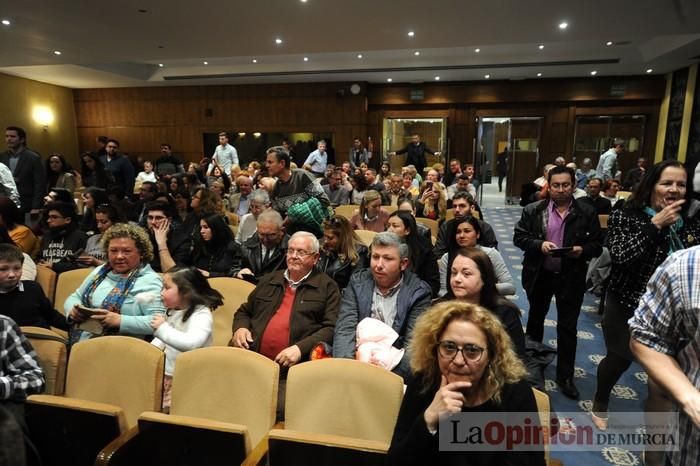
<point x="477" y="50"/>
<point x="649" y="70"/>
<point x="255" y="60"/>
<point x="359" y="55"/>
<point x="609" y="43"/>
<point x="437" y="78"/>
<point x="304" y="1"/>
<point x="205" y="62"/>
<point x="563" y="25"/>
<point x="539" y="75"/>
<point x="416" y="53"/>
<point x="411" y="33"/>
<point x="278" y="41"/>
<point x="56" y="52"/>
<point x="487" y="76"/>
<point x="160" y="65"/>
<point x="389" y="80"/>
<point x="594" y="72"/>
<point x="6" y="22"/>
<point x="541" y="46"/>
<point x="306" y="58"/>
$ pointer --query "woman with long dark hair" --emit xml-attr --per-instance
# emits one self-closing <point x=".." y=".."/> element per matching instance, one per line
<point x="422" y="257"/>
<point x="59" y="173"/>
<point x="105" y="217"/>
<point x="652" y="224"/>
<point x="343" y="252"/>
<point x="215" y="252"/>
<point x="92" y="197"/>
<point x="93" y="171"/>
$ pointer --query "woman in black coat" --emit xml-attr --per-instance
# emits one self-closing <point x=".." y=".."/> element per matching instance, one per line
<point x="342" y="252"/>
<point x="215" y="252"/>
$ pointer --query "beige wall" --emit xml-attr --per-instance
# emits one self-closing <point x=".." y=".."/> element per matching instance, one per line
<point x="19" y="97"/>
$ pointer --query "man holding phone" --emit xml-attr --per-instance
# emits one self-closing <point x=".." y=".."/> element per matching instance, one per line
<point x="558" y="235"/>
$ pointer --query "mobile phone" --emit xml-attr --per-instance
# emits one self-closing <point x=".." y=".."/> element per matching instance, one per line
<point x="429" y="184"/>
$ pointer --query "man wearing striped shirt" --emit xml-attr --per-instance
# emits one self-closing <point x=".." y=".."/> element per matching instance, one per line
<point x="665" y="338"/>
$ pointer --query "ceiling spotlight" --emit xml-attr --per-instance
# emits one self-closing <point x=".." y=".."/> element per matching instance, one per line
<point x="255" y="60"/>
<point x="304" y="1"/>
<point x="56" y="52"/>
<point x="278" y="41"/>
<point x="6" y="22"/>
<point x="416" y="53"/>
<point x="649" y="70"/>
<point x="594" y="72"/>
<point x="205" y="62"/>
<point x="477" y="50"/>
<point x="539" y="75"/>
<point x="563" y="25"/>
<point x="541" y="46"/>
<point x="487" y="76"/>
<point x="160" y="65"/>
<point x="359" y="55"/>
<point x="609" y="43"/>
<point x="437" y="78"/>
<point x="306" y="58"/>
<point x="411" y="33"/>
<point x="389" y="80"/>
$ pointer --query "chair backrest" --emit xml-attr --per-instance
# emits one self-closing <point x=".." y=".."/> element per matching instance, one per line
<point x="51" y="349"/>
<point x="543" y="408"/>
<point x="118" y="370"/>
<point x="343" y="397"/>
<point x="347" y="210"/>
<point x="389" y="209"/>
<point x="228" y="385"/>
<point x="603" y="219"/>
<point x="624" y="194"/>
<point x="66" y="283"/>
<point x="235" y="293"/>
<point x="449" y="214"/>
<point x="366" y="236"/>
<point x="430" y="223"/>
<point x="46" y="278"/>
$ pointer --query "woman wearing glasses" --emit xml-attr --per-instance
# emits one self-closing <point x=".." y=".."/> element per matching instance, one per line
<point x="461" y="361"/>
<point x="342" y="252"/>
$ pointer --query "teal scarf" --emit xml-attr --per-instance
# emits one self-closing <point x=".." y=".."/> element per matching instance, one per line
<point x="675" y="243"/>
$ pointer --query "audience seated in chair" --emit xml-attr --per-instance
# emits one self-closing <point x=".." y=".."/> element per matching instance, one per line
<point x="463" y="204"/>
<point x="264" y="252"/>
<point x="63" y="242"/>
<point x="170" y="243"/>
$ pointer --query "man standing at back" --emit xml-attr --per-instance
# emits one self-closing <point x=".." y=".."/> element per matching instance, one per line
<point x="119" y="166"/>
<point x="558" y="236"/>
<point x="27" y="170"/>
<point x="415" y="151"/>
<point x="317" y="160"/>
<point x="225" y="156"/>
<point x="607" y="164"/>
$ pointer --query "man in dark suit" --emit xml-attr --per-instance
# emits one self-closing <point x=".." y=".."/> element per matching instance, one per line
<point x="265" y="251"/>
<point x="415" y="151"/>
<point x="26" y="168"/>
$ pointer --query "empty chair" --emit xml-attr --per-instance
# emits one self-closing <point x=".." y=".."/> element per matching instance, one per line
<point x="224" y="401"/>
<point x="235" y="293"/>
<point x="52" y="353"/>
<point x="110" y="381"/>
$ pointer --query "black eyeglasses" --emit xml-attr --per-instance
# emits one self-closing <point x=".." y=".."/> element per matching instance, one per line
<point x="470" y="352"/>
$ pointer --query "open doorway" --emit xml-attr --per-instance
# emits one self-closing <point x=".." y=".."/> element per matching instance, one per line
<point x="507" y="156"/>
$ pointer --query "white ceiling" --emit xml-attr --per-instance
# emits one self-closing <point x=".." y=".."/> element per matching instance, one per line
<point x="112" y="44"/>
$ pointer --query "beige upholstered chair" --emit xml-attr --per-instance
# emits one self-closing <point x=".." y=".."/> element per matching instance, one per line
<point x="110" y="381"/>
<point x="430" y="223"/>
<point x="46" y="278"/>
<point x="343" y="397"/>
<point x="235" y="293"/>
<point x="544" y="409"/>
<point x="603" y="219"/>
<point x="51" y="349"/>
<point x="347" y="210"/>
<point x="223" y="399"/>
<point x="67" y="283"/>
<point x="390" y="209"/>
<point x="366" y="236"/>
<point x="624" y="194"/>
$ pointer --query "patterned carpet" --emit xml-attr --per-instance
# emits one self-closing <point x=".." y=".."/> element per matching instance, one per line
<point x="631" y="390"/>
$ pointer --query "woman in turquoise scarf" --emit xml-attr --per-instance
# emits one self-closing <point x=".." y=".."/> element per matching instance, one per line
<point x="125" y="290"/>
<point x="651" y="225"/>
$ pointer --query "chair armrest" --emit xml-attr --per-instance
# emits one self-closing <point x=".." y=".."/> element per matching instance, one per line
<point x="329" y="440"/>
<point x="259" y="454"/>
<point x="81" y="405"/>
<point x="105" y="455"/>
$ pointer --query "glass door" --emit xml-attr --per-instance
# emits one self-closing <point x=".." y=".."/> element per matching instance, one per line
<point x="507" y="156"/>
<point x="398" y="132"/>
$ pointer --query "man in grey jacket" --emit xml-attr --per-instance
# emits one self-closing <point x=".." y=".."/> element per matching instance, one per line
<point x="387" y="291"/>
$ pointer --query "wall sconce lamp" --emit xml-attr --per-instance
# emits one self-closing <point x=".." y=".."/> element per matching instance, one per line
<point x="241" y="135"/>
<point x="257" y="135"/>
<point x="43" y="116"/>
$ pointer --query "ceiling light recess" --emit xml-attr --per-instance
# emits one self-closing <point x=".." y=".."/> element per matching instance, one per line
<point x="278" y="41"/>
<point x="487" y="76"/>
<point x="563" y="25"/>
<point x="541" y="46"/>
<point x="6" y="22"/>
<point x="411" y="33"/>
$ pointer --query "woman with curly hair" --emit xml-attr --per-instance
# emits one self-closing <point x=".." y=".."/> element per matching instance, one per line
<point x="432" y="201"/>
<point x="125" y="290"/>
<point x="462" y="360"/>
<point x="343" y="253"/>
<point x="59" y="174"/>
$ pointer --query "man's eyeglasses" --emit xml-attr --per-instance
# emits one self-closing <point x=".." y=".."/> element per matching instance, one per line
<point x="299" y="253"/>
<point x="470" y="352"/>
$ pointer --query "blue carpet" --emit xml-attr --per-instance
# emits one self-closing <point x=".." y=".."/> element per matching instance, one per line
<point x="631" y="390"/>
